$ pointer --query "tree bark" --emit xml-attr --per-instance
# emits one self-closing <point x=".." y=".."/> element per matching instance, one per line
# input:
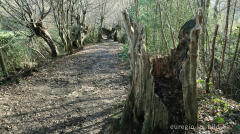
<point x="44" y="34"/>
<point x="192" y="93"/>
<point x="189" y="74"/>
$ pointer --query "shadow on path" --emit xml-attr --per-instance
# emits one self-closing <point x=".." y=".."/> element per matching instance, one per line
<point x="74" y="94"/>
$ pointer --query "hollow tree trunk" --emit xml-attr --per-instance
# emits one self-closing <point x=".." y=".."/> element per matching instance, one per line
<point x="44" y="34"/>
<point x="158" y="98"/>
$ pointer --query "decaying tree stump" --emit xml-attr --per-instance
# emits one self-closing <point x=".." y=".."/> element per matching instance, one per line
<point x="163" y="89"/>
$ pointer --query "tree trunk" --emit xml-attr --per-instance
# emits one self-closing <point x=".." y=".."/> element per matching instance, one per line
<point x="190" y="102"/>
<point x="205" y="6"/>
<point x="43" y="33"/>
<point x="69" y="41"/>
<point x="46" y="36"/>
<point x="100" y="29"/>
<point x="225" y="43"/>
<point x="216" y="9"/>
<point x="157" y="101"/>
<point x="84" y="35"/>
<point x="79" y="32"/>
<point x="115" y="38"/>
<point x="212" y="59"/>
<point x="3" y="64"/>
<point x="233" y="17"/>
<point x="61" y="34"/>
<point x="234" y="58"/>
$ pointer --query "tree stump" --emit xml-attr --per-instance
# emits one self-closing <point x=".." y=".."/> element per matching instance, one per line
<point x="162" y="96"/>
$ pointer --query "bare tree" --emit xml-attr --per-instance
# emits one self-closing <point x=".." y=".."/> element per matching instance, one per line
<point x="30" y="14"/>
<point x="69" y="16"/>
<point x="102" y="8"/>
<point x="104" y="12"/>
<point x="62" y="11"/>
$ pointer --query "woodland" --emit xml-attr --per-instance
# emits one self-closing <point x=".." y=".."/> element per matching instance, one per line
<point x="119" y="66"/>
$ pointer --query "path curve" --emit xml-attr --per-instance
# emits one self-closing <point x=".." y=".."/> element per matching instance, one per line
<point x="74" y="94"/>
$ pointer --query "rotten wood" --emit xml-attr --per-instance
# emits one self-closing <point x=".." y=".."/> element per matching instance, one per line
<point x="154" y="102"/>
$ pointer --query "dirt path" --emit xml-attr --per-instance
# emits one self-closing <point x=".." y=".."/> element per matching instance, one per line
<point x="74" y="94"/>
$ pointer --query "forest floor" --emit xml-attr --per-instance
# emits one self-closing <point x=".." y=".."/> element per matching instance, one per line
<point x="73" y="94"/>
